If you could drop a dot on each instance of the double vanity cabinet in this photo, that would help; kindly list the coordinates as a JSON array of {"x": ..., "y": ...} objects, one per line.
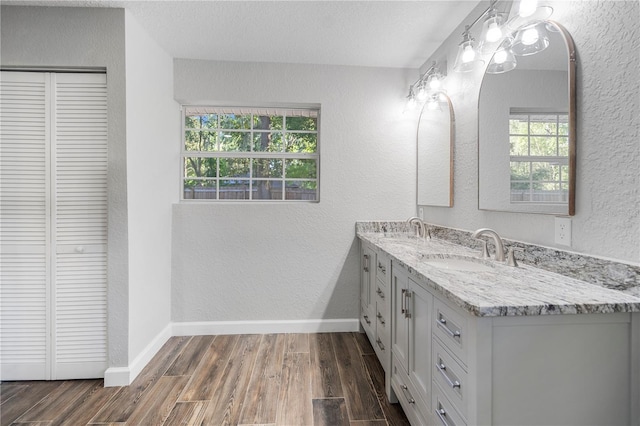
[{"x": 497, "y": 345}]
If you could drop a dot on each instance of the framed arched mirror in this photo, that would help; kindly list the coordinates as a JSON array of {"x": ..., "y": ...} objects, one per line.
[
  {"x": 435, "y": 152},
  {"x": 527, "y": 123}
]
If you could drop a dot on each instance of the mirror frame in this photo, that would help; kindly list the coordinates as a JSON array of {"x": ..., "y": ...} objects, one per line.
[
  {"x": 451, "y": 151},
  {"x": 571, "y": 71}
]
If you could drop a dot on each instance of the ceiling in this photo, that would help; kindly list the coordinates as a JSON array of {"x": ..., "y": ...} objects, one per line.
[{"x": 391, "y": 33}]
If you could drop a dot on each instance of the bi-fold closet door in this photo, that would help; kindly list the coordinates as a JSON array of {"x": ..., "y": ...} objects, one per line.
[{"x": 53, "y": 225}]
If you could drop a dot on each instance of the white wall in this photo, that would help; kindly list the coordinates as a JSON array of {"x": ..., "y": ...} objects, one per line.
[
  {"x": 78, "y": 37},
  {"x": 607, "y": 220},
  {"x": 153, "y": 134},
  {"x": 285, "y": 261}
]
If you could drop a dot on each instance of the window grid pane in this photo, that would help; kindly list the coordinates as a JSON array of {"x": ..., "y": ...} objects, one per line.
[
  {"x": 539, "y": 156},
  {"x": 250, "y": 156}
]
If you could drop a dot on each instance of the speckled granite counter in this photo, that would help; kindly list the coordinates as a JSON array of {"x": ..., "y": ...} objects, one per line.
[{"x": 502, "y": 291}]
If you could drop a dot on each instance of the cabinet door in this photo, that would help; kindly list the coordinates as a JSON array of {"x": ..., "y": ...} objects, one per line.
[
  {"x": 420, "y": 303},
  {"x": 399, "y": 323}
]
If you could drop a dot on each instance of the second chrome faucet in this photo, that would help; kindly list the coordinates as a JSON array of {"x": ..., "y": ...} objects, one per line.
[{"x": 496, "y": 239}]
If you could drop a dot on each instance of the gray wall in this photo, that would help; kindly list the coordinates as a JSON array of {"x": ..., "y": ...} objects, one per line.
[
  {"x": 284, "y": 261},
  {"x": 607, "y": 220},
  {"x": 78, "y": 37}
]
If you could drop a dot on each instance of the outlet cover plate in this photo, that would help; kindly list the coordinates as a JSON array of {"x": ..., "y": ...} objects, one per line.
[{"x": 563, "y": 231}]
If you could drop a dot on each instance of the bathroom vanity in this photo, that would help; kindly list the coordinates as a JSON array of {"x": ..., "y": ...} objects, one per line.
[{"x": 470, "y": 341}]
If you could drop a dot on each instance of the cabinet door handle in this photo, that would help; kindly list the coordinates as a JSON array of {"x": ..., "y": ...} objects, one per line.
[
  {"x": 366, "y": 318},
  {"x": 380, "y": 344},
  {"x": 407, "y": 296},
  {"x": 403, "y": 301},
  {"x": 443, "y": 370},
  {"x": 442, "y": 414},
  {"x": 380, "y": 293},
  {"x": 380, "y": 318},
  {"x": 407, "y": 394},
  {"x": 366, "y": 263},
  {"x": 442, "y": 322}
]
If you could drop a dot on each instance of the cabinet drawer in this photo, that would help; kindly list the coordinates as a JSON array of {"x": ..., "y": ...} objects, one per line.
[
  {"x": 451, "y": 377},
  {"x": 382, "y": 269},
  {"x": 451, "y": 328},
  {"x": 443, "y": 411},
  {"x": 405, "y": 393}
]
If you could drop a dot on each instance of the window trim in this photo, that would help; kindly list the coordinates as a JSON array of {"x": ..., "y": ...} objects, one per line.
[{"x": 314, "y": 111}]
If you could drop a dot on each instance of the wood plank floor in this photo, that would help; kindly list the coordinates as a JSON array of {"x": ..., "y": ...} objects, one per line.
[{"x": 329, "y": 379}]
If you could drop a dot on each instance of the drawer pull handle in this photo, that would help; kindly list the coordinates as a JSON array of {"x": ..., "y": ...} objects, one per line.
[
  {"x": 380, "y": 293},
  {"x": 380, "y": 318},
  {"x": 443, "y": 370},
  {"x": 405, "y": 389},
  {"x": 382, "y": 268},
  {"x": 442, "y": 322},
  {"x": 366, "y": 263},
  {"x": 366, "y": 318},
  {"x": 442, "y": 414},
  {"x": 380, "y": 344}
]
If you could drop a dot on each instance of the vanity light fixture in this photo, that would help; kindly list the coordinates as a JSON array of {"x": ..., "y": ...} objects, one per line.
[
  {"x": 427, "y": 84},
  {"x": 503, "y": 60},
  {"x": 493, "y": 26},
  {"x": 530, "y": 39},
  {"x": 468, "y": 54}
]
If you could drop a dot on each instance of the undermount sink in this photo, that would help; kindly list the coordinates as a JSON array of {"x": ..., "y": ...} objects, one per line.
[{"x": 459, "y": 263}]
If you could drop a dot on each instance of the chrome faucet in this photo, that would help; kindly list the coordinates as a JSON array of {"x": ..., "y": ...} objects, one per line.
[
  {"x": 422, "y": 229},
  {"x": 496, "y": 239}
]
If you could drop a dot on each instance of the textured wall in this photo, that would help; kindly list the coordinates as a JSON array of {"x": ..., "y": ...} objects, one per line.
[
  {"x": 607, "y": 220},
  {"x": 153, "y": 126},
  {"x": 272, "y": 261},
  {"x": 79, "y": 37}
]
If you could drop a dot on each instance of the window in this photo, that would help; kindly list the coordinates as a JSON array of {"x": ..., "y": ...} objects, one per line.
[
  {"x": 232, "y": 153},
  {"x": 539, "y": 157}
]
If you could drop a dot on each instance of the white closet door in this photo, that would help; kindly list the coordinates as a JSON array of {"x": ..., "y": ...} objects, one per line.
[
  {"x": 54, "y": 226},
  {"x": 80, "y": 223},
  {"x": 24, "y": 225}
]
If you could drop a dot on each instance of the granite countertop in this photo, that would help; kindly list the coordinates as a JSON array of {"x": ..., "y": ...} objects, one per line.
[{"x": 503, "y": 290}]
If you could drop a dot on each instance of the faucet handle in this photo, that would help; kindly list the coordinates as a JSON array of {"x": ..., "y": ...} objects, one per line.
[{"x": 511, "y": 258}]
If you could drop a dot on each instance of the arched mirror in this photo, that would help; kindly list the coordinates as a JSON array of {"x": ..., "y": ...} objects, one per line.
[
  {"x": 526, "y": 124},
  {"x": 435, "y": 152}
]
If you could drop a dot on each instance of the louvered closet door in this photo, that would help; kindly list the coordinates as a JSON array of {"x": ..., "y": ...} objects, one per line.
[
  {"x": 24, "y": 225},
  {"x": 80, "y": 225},
  {"x": 54, "y": 213}
]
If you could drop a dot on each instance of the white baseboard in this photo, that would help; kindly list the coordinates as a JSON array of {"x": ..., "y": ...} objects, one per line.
[
  {"x": 123, "y": 376},
  {"x": 265, "y": 327}
]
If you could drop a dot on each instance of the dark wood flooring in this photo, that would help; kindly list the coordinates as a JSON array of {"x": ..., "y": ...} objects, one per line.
[{"x": 328, "y": 379}]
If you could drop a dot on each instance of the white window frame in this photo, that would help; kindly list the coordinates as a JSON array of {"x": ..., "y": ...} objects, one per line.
[
  {"x": 555, "y": 159},
  {"x": 251, "y": 155}
]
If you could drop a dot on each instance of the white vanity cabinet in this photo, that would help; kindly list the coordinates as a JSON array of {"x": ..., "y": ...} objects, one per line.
[{"x": 452, "y": 368}]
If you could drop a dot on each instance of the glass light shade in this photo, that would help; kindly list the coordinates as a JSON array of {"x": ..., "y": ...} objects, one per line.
[
  {"x": 434, "y": 81},
  {"x": 502, "y": 61},
  {"x": 527, "y": 7},
  {"x": 530, "y": 40},
  {"x": 541, "y": 13},
  {"x": 492, "y": 28},
  {"x": 421, "y": 95},
  {"x": 467, "y": 57}
]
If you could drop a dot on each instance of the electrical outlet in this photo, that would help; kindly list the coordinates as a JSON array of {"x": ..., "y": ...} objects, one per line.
[
  {"x": 421, "y": 213},
  {"x": 563, "y": 231}
]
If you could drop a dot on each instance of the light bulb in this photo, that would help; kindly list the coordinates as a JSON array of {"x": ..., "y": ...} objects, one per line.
[
  {"x": 468, "y": 54},
  {"x": 494, "y": 33},
  {"x": 411, "y": 103},
  {"x": 500, "y": 56},
  {"x": 527, "y": 7},
  {"x": 530, "y": 36},
  {"x": 434, "y": 82}
]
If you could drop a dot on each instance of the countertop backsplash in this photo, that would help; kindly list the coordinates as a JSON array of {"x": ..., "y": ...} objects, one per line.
[{"x": 605, "y": 273}]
